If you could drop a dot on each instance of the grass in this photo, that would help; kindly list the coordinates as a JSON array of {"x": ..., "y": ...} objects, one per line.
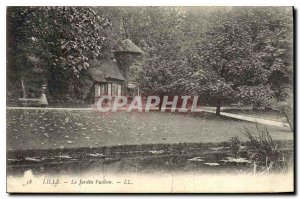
[
  {"x": 62, "y": 142},
  {"x": 264, "y": 151},
  {"x": 57, "y": 129}
]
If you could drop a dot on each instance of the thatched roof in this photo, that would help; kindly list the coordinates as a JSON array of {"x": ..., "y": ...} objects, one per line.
[
  {"x": 100, "y": 70},
  {"x": 128, "y": 46}
]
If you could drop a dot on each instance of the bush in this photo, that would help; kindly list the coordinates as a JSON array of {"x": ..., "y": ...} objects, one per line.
[
  {"x": 235, "y": 145},
  {"x": 286, "y": 108},
  {"x": 264, "y": 150}
]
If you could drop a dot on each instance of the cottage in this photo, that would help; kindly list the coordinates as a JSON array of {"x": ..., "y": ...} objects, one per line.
[{"x": 112, "y": 76}]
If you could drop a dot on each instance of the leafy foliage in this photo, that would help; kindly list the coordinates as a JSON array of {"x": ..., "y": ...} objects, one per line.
[
  {"x": 63, "y": 39},
  {"x": 236, "y": 145},
  {"x": 243, "y": 53},
  {"x": 222, "y": 54}
]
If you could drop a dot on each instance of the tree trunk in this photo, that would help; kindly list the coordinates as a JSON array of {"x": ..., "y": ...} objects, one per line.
[
  {"x": 23, "y": 88},
  {"x": 218, "y": 110},
  {"x": 160, "y": 102},
  {"x": 161, "y": 97},
  {"x": 289, "y": 118}
]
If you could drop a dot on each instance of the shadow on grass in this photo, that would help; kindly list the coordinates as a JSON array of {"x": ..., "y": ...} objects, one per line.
[{"x": 206, "y": 158}]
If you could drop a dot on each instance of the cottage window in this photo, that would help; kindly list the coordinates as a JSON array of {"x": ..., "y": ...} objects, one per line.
[
  {"x": 114, "y": 91},
  {"x": 97, "y": 90},
  {"x": 102, "y": 88},
  {"x": 109, "y": 89}
]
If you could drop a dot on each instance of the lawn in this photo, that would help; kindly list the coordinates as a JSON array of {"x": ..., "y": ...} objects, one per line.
[{"x": 59, "y": 129}]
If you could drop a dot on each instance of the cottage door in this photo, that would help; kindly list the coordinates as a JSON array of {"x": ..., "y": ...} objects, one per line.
[{"x": 119, "y": 90}]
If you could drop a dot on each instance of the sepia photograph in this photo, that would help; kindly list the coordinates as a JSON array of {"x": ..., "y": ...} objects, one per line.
[{"x": 150, "y": 99}]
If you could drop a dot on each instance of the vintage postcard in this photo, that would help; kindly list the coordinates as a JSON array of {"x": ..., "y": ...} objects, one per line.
[{"x": 150, "y": 99}]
